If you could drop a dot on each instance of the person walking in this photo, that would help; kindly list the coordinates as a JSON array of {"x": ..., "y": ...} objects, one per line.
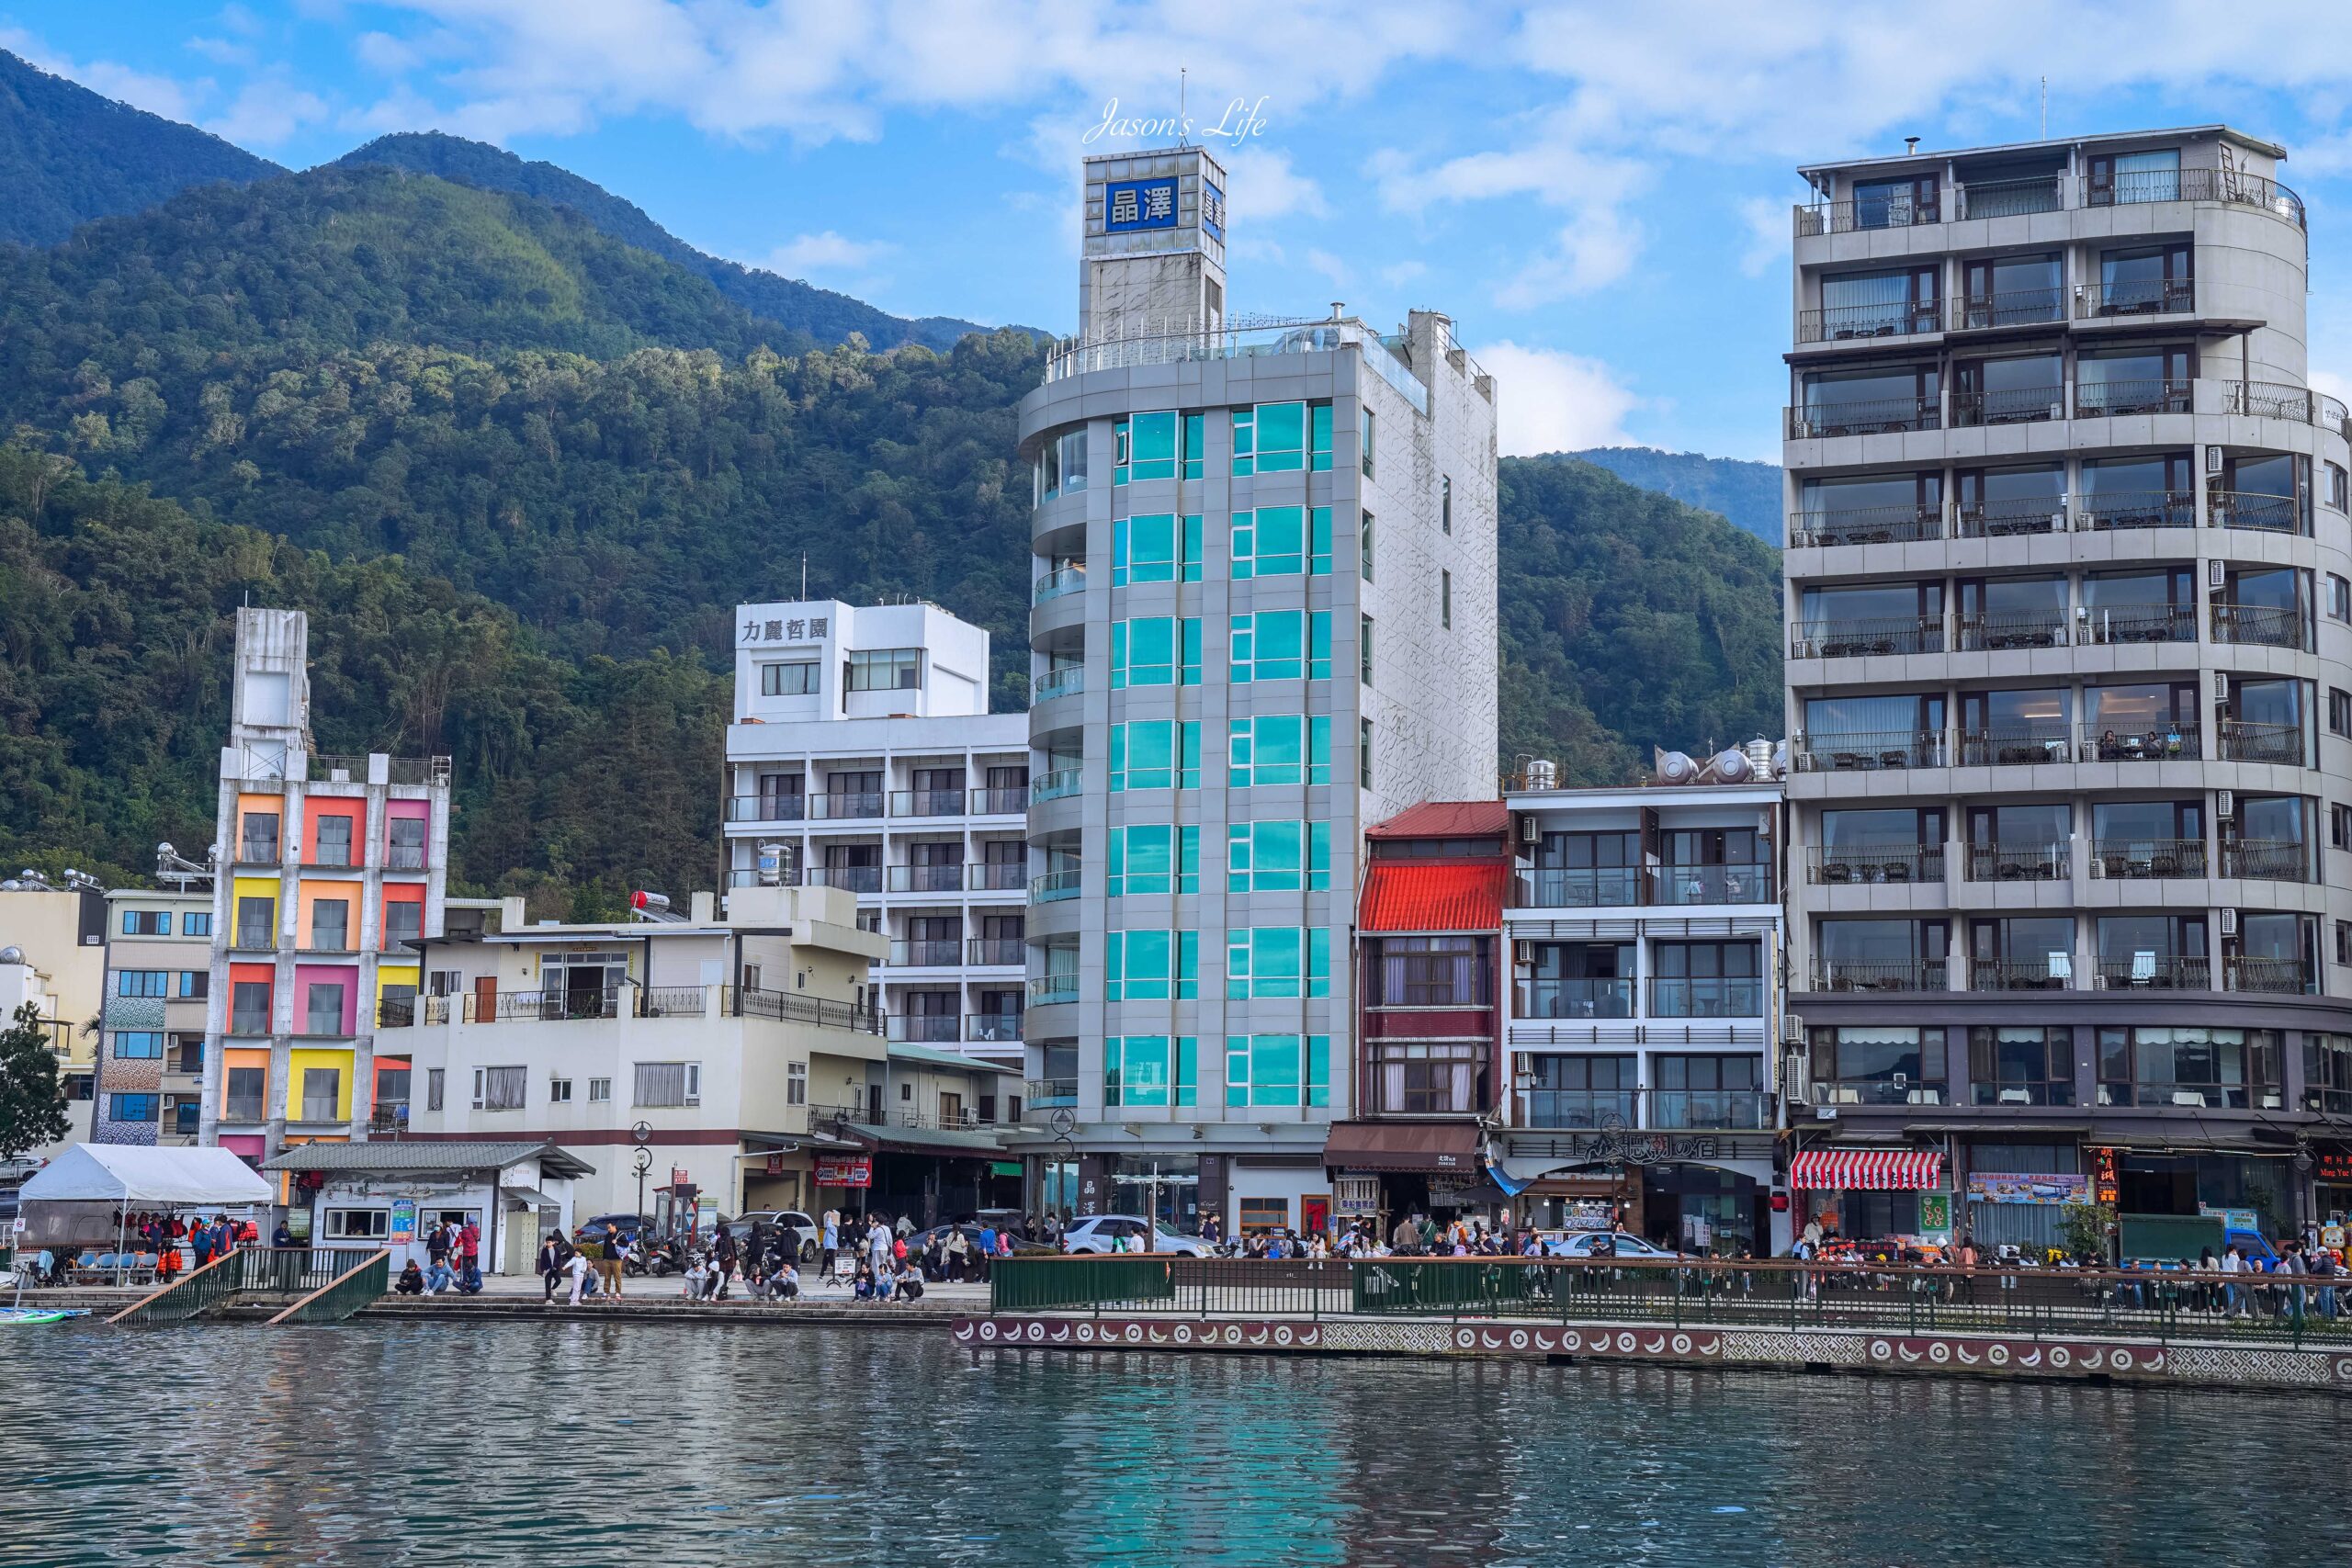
[
  {"x": 877, "y": 1246},
  {"x": 470, "y": 1246},
  {"x": 551, "y": 1265},
  {"x": 577, "y": 1267},
  {"x": 988, "y": 1250},
  {"x": 830, "y": 1243},
  {"x": 608, "y": 1267}
]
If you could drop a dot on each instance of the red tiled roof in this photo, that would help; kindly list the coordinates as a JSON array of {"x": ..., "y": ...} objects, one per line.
[
  {"x": 1434, "y": 896},
  {"x": 1444, "y": 819}
]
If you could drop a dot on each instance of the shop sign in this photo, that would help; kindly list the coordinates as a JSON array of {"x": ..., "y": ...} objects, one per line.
[
  {"x": 775, "y": 1164},
  {"x": 844, "y": 1171},
  {"x": 1935, "y": 1211},
  {"x": 1638, "y": 1149},
  {"x": 2103, "y": 1174},
  {"x": 2332, "y": 1165},
  {"x": 404, "y": 1220},
  {"x": 2235, "y": 1219},
  {"x": 1355, "y": 1197},
  {"x": 2014, "y": 1187}
]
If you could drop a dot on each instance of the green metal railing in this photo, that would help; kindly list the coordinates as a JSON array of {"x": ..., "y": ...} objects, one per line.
[
  {"x": 364, "y": 1282},
  {"x": 1035, "y": 1284},
  {"x": 278, "y": 1271},
  {"x": 189, "y": 1294}
]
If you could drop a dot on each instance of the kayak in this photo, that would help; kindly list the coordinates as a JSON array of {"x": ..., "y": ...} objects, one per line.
[{"x": 10, "y": 1316}]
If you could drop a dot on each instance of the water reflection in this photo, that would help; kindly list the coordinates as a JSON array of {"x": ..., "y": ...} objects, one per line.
[{"x": 593, "y": 1443}]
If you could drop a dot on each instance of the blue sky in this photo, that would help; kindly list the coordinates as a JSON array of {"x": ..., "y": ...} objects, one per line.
[{"x": 1597, "y": 192}]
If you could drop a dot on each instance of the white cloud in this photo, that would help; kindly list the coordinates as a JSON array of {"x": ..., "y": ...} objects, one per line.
[
  {"x": 266, "y": 113},
  {"x": 141, "y": 89},
  {"x": 1265, "y": 187},
  {"x": 222, "y": 51},
  {"x": 1766, "y": 223},
  {"x": 1334, "y": 270},
  {"x": 1402, "y": 273},
  {"x": 826, "y": 253},
  {"x": 1551, "y": 401},
  {"x": 385, "y": 54}
]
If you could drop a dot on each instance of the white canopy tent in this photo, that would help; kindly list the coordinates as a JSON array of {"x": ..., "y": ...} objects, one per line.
[{"x": 124, "y": 1176}]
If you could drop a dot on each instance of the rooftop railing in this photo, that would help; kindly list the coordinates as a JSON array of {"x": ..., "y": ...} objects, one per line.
[
  {"x": 790, "y": 1007},
  {"x": 1903, "y": 209},
  {"x": 2131, "y": 187}
]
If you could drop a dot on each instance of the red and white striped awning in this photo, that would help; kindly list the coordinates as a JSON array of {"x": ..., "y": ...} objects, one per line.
[{"x": 1865, "y": 1170}]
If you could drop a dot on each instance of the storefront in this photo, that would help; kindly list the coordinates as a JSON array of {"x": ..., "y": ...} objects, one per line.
[
  {"x": 2260, "y": 1187},
  {"x": 2332, "y": 1183},
  {"x": 1705, "y": 1209},
  {"x": 1859, "y": 1195},
  {"x": 1405, "y": 1168}
]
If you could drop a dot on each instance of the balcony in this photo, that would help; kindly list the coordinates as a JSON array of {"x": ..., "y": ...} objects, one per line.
[
  {"x": 2012, "y": 308},
  {"x": 1055, "y": 583},
  {"x": 1051, "y": 683},
  {"x": 2146, "y": 860},
  {"x": 539, "y": 1007},
  {"x": 1047, "y": 991},
  {"x": 396, "y": 1014},
  {"x": 2267, "y": 860},
  {"x": 1885, "y": 210},
  {"x": 1682, "y": 884},
  {"x": 2008, "y": 405},
  {"x": 766, "y": 808},
  {"x": 2258, "y": 626},
  {"x": 2136, "y": 509},
  {"x": 389, "y": 1116},
  {"x": 1877, "y": 864},
  {"x": 1004, "y": 801},
  {"x": 1866, "y": 750},
  {"x": 925, "y": 878},
  {"x": 1574, "y": 999},
  {"x": 2285, "y": 977},
  {"x": 2145, "y": 297},
  {"x": 987, "y": 952},
  {"x": 993, "y": 1028},
  {"x": 926, "y": 954},
  {"x": 849, "y": 878},
  {"x": 1723, "y": 996},
  {"x": 1056, "y": 786},
  {"x": 2155, "y": 972},
  {"x": 2013, "y": 519},
  {"x": 929, "y": 801},
  {"x": 1841, "y": 323},
  {"x": 1576, "y": 1109},
  {"x": 788, "y": 1007},
  {"x": 1054, "y": 886},
  {"x": 2022, "y": 973},
  {"x": 2243, "y": 509},
  {"x": 2194, "y": 184},
  {"x": 845, "y": 805},
  {"x": 996, "y": 876},
  {"x": 1896, "y": 1088},
  {"x": 1922, "y": 975},
  {"x": 2108, "y": 400},
  {"x": 2245, "y": 742},
  {"x": 1992, "y": 631},
  {"x": 2036, "y": 1092},
  {"x": 2009, "y": 199},
  {"x": 2280, "y": 400},
  {"x": 1697, "y": 1109},
  {"x": 1871, "y": 416},
  {"x": 1864, "y": 525},
  {"x": 1860, "y": 640},
  {"x": 2188, "y": 1096},
  {"x": 1577, "y": 887},
  {"x": 241, "y": 1108},
  {"x": 1048, "y": 1094},
  {"x": 404, "y": 857},
  {"x": 2032, "y": 746},
  {"x": 2128, "y": 623},
  {"x": 2018, "y": 863},
  {"x": 2170, "y": 743},
  {"x": 925, "y": 1028}
]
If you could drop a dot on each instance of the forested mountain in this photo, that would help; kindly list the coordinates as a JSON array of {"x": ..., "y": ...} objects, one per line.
[
  {"x": 1748, "y": 495},
  {"x": 68, "y": 155},
  {"x": 519, "y": 473},
  {"x": 824, "y": 315}
]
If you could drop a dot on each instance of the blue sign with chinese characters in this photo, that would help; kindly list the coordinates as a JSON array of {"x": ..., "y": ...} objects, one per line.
[
  {"x": 1139, "y": 204},
  {"x": 1212, "y": 210}
]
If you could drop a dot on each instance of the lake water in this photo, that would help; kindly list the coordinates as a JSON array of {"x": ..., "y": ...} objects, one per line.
[{"x": 596, "y": 1443}]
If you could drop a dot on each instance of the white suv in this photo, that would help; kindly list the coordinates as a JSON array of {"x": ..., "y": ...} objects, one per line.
[{"x": 1098, "y": 1234}]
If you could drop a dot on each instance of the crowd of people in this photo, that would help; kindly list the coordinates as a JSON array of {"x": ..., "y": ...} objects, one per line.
[{"x": 453, "y": 1255}]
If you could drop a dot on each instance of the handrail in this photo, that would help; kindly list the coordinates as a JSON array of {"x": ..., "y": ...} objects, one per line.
[
  {"x": 317, "y": 1308},
  {"x": 150, "y": 1308}
]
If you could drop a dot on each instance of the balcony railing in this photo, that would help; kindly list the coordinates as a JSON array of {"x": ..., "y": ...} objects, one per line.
[
  {"x": 2140, "y": 623},
  {"x": 2146, "y": 860},
  {"x": 397, "y": 770},
  {"x": 1838, "y": 324},
  {"x": 1574, "y": 999},
  {"x": 1002, "y": 801},
  {"x": 249, "y": 1025},
  {"x": 1720, "y": 995},
  {"x": 1734, "y": 1109},
  {"x": 2017, "y": 863},
  {"x": 1048, "y": 990},
  {"x": 783, "y": 876},
  {"x": 1874, "y": 416},
  {"x": 2003, "y": 629},
  {"x": 1864, "y": 525},
  {"x": 2145, "y": 297},
  {"x": 2277, "y": 399},
  {"x": 926, "y": 1028},
  {"x": 2021, "y": 974},
  {"x": 1054, "y": 886},
  {"x": 849, "y": 878},
  {"x": 996, "y": 951},
  {"x": 2284, "y": 975},
  {"x": 1862, "y": 751},
  {"x": 2012, "y": 519},
  {"x": 2047, "y": 193},
  {"x": 395, "y": 1014},
  {"x": 1047, "y": 1094},
  {"x": 2159, "y": 1096},
  {"x": 2194, "y": 184},
  {"x": 1054, "y": 583},
  {"x": 1048, "y": 684},
  {"x": 2032, "y": 746},
  {"x": 2267, "y": 860},
  {"x": 993, "y": 1028},
  {"x": 1897, "y": 1089},
  {"x": 2244, "y": 741},
  {"x": 2166, "y": 742},
  {"x": 404, "y": 857},
  {"x": 539, "y": 1006},
  {"x": 1892, "y": 210},
  {"x": 2136, "y": 509},
  {"x": 2106, "y": 399},
  {"x": 2009, "y": 199},
  {"x": 996, "y": 876},
  {"x": 2160, "y": 972},
  {"x": 1682, "y": 884},
  {"x": 1055, "y": 786},
  {"x": 2011, "y": 308},
  {"x": 1579, "y": 888},
  {"x": 1871, "y": 863},
  {"x": 2008, "y": 405},
  {"x": 2258, "y": 626},
  {"x": 1674, "y": 1110},
  {"x": 1926, "y": 975},
  {"x": 788, "y": 1007},
  {"x": 766, "y": 808},
  {"x": 928, "y": 802},
  {"x": 1857, "y": 639},
  {"x": 925, "y": 878},
  {"x": 927, "y": 954},
  {"x": 845, "y": 805},
  {"x": 1577, "y": 1108},
  {"x": 2243, "y": 509}
]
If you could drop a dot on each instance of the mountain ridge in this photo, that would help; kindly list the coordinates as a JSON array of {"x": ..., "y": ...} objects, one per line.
[{"x": 1744, "y": 495}]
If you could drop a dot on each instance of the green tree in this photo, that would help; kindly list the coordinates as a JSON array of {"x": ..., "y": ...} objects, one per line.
[{"x": 31, "y": 1111}]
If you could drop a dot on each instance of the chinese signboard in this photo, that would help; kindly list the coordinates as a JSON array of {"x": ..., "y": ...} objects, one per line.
[
  {"x": 2013, "y": 1187},
  {"x": 1129, "y": 205},
  {"x": 2103, "y": 1174},
  {"x": 1212, "y": 210},
  {"x": 1357, "y": 1195},
  {"x": 404, "y": 1220},
  {"x": 1935, "y": 1211},
  {"x": 757, "y": 630},
  {"x": 2332, "y": 1165},
  {"x": 844, "y": 1171},
  {"x": 1638, "y": 1149}
]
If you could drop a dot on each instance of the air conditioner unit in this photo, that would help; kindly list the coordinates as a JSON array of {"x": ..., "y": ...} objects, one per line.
[
  {"x": 2215, "y": 571},
  {"x": 2058, "y": 522},
  {"x": 2225, "y": 803},
  {"x": 1530, "y": 830},
  {"x": 2221, "y": 685},
  {"x": 1523, "y": 955},
  {"x": 1796, "y": 1085},
  {"x": 2057, "y": 411},
  {"x": 2212, "y": 459},
  {"x": 2229, "y": 922},
  {"x": 2098, "y": 981}
]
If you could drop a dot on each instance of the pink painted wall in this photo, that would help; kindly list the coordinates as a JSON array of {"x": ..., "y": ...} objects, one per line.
[{"x": 344, "y": 975}]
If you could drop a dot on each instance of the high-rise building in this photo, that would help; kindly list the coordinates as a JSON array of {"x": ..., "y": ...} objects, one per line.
[
  {"x": 158, "y": 989},
  {"x": 863, "y": 756},
  {"x": 1264, "y": 618},
  {"x": 327, "y": 869},
  {"x": 2069, "y": 686}
]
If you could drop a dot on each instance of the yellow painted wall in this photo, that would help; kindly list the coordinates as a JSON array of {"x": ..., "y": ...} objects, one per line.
[
  {"x": 298, "y": 1062},
  {"x": 242, "y": 1058},
  {"x": 312, "y": 890},
  {"x": 254, "y": 887},
  {"x": 394, "y": 974}
]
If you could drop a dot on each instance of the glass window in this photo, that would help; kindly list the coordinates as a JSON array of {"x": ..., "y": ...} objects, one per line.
[
  {"x": 1278, "y": 962},
  {"x": 1878, "y": 1065},
  {"x": 1150, "y": 967},
  {"x": 1153, "y": 858},
  {"x": 334, "y": 842},
  {"x": 196, "y": 923},
  {"x": 1277, "y": 1069},
  {"x": 1281, "y": 645},
  {"x": 1154, "y": 547},
  {"x": 1365, "y": 551},
  {"x": 1369, "y": 434},
  {"x": 1151, "y": 1071},
  {"x": 1144, "y": 448},
  {"x": 142, "y": 983},
  {"x": 133, "y": 1107},
  {"x": 1155, "y": 754},
  {"x": 1155, "y": 650},
  {"x": 138, "y": 1044},
  {"x": 1278, "y": 857},
  {"x": 884, "y": 670},
  {"x": 787, "y": 680},
  {"x": 1274, "y": 438},
  {"x": 1280, "y": 749},
  {"x": 1282, "y": 540},
  {"x": 2029, "y": 1064}
]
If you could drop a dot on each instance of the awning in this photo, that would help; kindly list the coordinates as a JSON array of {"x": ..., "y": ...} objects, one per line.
[
  {"x": 1865, "y": 1170},
  {"x": 149, "y": 1176},
  {"x": 1440, "y": 1147},
  {"x": 528, "y": 1198}
]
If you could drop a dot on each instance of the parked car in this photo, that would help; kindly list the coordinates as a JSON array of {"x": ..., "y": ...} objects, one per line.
[
  {"x": 1602, "y": 1244},
  {"x": 793, "y": 1220},
  {"x": 632, "y": 1227},
  {"x": 17, "y": 1171},
  {"x": 1098, "y": 1234}
]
